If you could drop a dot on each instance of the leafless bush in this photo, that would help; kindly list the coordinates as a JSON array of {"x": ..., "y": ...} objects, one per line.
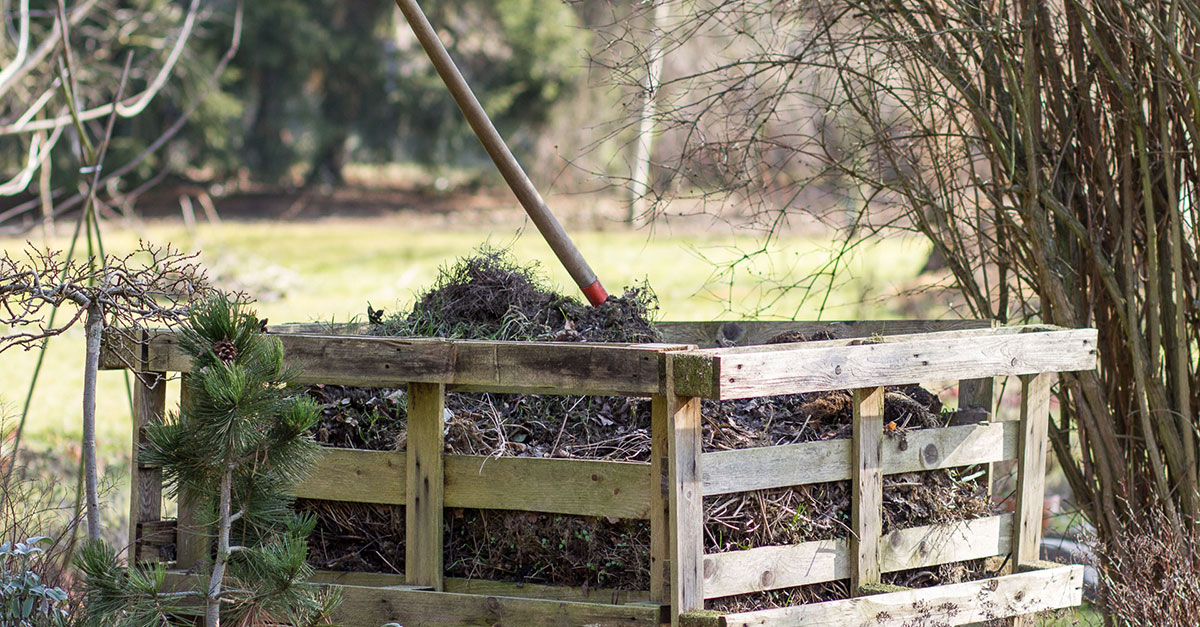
[
  {"x": 1152, "y": 574},
  {"x": 1047, "y": 150},
  {"x": 117, "y": 294}
]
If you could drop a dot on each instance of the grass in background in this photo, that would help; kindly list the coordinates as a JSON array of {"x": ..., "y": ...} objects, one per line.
[{"x": 329, "y": 271}]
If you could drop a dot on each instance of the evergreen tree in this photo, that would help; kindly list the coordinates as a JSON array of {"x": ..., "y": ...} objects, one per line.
[{"x": 240, "y": 445}]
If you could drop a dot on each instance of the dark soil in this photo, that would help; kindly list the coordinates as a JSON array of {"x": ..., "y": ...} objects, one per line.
[{"x": 489, "y": 296}]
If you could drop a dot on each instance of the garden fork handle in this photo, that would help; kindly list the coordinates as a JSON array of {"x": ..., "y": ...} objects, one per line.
[{"x": 510, "y": 169}]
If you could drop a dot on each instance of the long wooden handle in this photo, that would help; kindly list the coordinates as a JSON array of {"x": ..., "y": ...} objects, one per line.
[{"x": 512, "y": 172}]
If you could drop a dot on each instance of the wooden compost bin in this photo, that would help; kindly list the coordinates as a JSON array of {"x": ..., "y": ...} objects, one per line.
[{"x": 669, "y": 492}]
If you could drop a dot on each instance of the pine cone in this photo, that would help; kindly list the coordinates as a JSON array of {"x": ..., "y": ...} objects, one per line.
[{"x": 226, "y": 351}]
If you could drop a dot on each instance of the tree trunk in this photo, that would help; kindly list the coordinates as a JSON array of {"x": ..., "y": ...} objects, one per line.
[
  {"x": 212, "y": 612},
  {"x": 94, "y": 327},
  {"x": 640, "y": 183}
]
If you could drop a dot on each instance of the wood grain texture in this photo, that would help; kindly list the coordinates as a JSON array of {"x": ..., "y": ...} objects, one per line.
[
  {"x": 818, "y": 462},
  {"x": 370, "y": 607},
  {"x": 425, "y": 481},
  {"x": 559, "y": 486},
  {"x": 146, "y": 486},
  {"x": 774, "y": 567},
  {"x": 1031, "y": 467},
  {"x": 466, "y": 365},
  {"x": 660, "y": 492},
  {"x": 748, "y": 332},
  {"x": 820, "y": 366},
  {"x": 686, "y": 498},
  {"x": 955, "y": 604},
  {"x": 356, "y": 476},
  {"x": 491, "y": 588},
  {"x": 980, "y": 394},
  {"x": 866, "y": 485},
  {"x": 562, "y": 486}
]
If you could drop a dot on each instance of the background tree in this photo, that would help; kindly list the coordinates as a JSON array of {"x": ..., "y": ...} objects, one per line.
[
  {"x": 64, "y": 67},
  {"x": 240, "y": 442},
  {"x": 348, "y": 81},
  {"x": 1048, "y": 152}
]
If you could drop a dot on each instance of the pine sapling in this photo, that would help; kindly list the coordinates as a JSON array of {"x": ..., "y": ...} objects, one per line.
[{"x": 239, "y": 444}]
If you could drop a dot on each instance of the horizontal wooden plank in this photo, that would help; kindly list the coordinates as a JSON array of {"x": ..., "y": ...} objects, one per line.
[
  {"x": 819, "y": 366},
  {"x": 541, "y": 367},
  {"x": 356, "y": 476},
  {"x": 786, "y": 465},
  {"x": 561, "y": 486},
  {"x": 370, "y": 606},
  {"x": 492, "y": 588},
  {"x": 565, "y": 486},
  {"x": 414, "y": 606},
  {"x": 747, "y": 332},
  {"x": 774, "y": 567},
  {"x": 955, "y": 604}
]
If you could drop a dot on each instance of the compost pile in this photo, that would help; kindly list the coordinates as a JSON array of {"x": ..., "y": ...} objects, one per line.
[{"x": 488, "y": 296}]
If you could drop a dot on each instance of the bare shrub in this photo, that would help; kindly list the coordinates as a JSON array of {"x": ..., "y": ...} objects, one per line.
[{"x": 1149, "y": 573}]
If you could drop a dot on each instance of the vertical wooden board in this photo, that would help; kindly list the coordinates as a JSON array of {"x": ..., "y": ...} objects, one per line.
[
  {"x": 1031, "y": 474},
  {"x": 193, "y": 543},
  {"x": 980, "y": 394},
  {"x": 660, "y": 500},
  {"x": 145, "y": 484},
  {"x": 1031, "y": 467},
  {"x": 425, "y": 478},
  {"x": 686, "y": 500},
  {"x": 866, "y": 505}
]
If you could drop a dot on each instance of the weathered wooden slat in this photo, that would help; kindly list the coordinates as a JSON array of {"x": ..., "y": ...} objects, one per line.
[
  {"x": 866, "y": 486},
  {"x": 817, "y": 366},
  {"x": 357, "y": 476},
  {"x": 145, "y": 484},
  {"x": 492, "y": 588},
  {"x": 156, "y": 540},
  {"x": 468, "y": 365},
  {"x": 417, "y": 606},
  {"x": 980, "y": 394},
  {"x": 743, "y": 333},
  {"x": 1031, "y": 474},
  {"x": 660, "y": 493},
  {"x": 774, "y": 567},
  {"x": 818, "y": 462},
  {"x": 562, "y": 486},
  {"x": 368, "y": 606},
  {"x": 424, "y": 487},
  {"x": 685, "y": 495},
  {"x": 955, "y": 604}
]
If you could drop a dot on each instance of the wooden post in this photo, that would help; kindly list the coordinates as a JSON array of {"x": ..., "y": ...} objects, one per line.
[
  {"x": 685, "y": 497},
  {"x": 660, "y": 499},
  {"x": 1031, "y": 473},
  {"x": 866, "y": 503},
  {"x": 145, "y": 484},
  {"x": 425, "y": 479},
  {"x": 193, "y": 543},
  {"x": 980, "y": 394}
]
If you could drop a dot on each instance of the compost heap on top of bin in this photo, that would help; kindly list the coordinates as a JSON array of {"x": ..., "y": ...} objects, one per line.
[{"x": 488, "y": 296}]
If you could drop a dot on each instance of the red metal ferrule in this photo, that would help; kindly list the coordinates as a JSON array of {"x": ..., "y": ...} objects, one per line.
[{"x": 595, "y": 293}]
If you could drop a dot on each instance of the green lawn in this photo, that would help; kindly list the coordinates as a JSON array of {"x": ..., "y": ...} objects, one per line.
[{"x": 330, "y": 270}]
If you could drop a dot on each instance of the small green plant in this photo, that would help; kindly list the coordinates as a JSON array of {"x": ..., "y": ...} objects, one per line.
[
  {"x": 238, "y": 447},
  {"x": 24, "y": 598}
]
